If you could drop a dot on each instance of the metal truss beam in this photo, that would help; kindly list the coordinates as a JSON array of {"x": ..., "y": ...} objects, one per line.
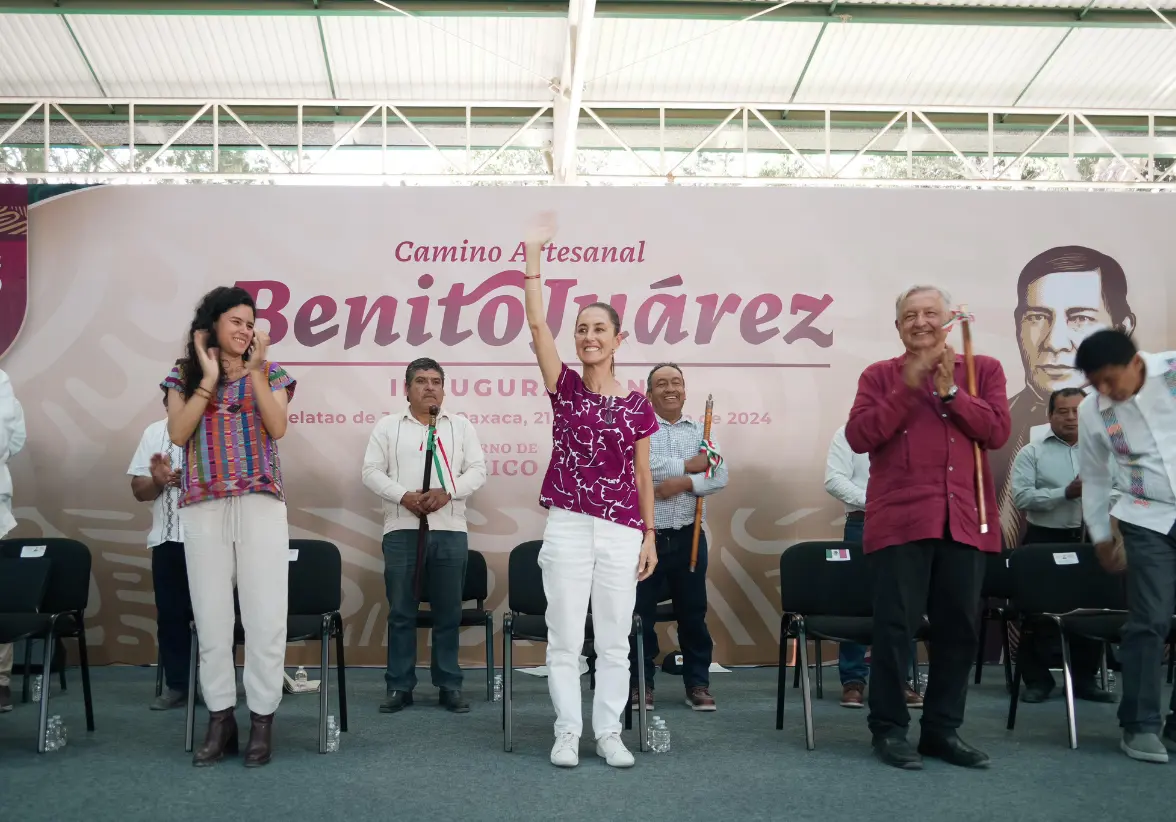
[
  {"x": 570, "y": 95},
  {"x": 807, "y": 12},
  {"x": 987, "y": 143}
]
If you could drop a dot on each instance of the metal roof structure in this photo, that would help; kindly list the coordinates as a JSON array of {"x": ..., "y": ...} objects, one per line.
[{"x": 748, "y": 91}]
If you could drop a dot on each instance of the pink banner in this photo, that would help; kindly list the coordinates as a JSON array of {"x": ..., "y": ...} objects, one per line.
[{"x": 14, "y": 270}]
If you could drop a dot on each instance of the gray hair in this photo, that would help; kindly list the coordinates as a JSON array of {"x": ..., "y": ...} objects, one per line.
[{"x": 918, "y": 289}]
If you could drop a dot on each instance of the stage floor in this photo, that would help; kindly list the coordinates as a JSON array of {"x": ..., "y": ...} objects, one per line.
[{"x": 428, "y": 764}]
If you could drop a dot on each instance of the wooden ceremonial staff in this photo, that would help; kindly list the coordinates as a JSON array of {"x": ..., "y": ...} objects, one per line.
[
  {"x": 706, "y": 428},
  {"x": 970, "y": 365},
  {"x": 423, "y": 528}
]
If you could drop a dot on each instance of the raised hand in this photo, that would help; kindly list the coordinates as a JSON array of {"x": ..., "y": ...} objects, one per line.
[
  {"x": 257, "y": 350},
  {"x": 209, "y": 358},
  {"x": 542, "y": 230}
]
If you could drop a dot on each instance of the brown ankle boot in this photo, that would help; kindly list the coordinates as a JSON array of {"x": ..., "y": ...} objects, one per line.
[
  {"x": 260, "y": 747},
  {"x": 221, "y": 738}
]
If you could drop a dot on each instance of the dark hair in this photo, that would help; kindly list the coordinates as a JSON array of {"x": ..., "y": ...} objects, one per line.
[
  {"x": 613, "y": 316},
  {"x": 1103, "y": 348},
  {"x": 1078, "y": 258},
  {"x": 1062, "y": 393},
  {"x": 422, "y": 364},
  {"x": 212, "y": 305},
  {"x": 659, "y": 367}
]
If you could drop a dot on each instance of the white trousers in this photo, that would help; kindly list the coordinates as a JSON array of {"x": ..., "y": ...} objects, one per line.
[
  {"x": 247, "y": 539},
  {"x": 5, "y": 663},
  {"x": 588, "y": 558}
]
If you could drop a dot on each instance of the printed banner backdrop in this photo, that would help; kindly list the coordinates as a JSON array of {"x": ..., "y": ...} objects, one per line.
[
  {"x": 14, "y": 273},
  {"x": 773, "y": 300}
]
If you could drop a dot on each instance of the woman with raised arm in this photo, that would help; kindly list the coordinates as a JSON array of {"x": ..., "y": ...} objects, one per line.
[
  {"x": 226, "y": 407},
  {"x": 599, "y": 539}
]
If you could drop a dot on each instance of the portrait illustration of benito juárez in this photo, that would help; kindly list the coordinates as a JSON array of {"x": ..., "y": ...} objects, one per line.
[{"x": 1064, "y": 295}]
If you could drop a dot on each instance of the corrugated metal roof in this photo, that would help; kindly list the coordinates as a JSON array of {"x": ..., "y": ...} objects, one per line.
[
  {"x": 1112, "y": 68},
  {"x": 38, "y": 57},
  {"x": 395, "y": 57},
  {"x": 637, "y": 60},
  {"x": 197, "y": 56},
  {"x": 926, "y": 65}
]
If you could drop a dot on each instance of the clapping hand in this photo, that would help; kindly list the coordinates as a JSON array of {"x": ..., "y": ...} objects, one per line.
[
  {"x": 161, "y": 469},
  {"x": 945, "y": 371},
  {"x": 209, "y": 358},
  {"x": 257, "y": 350}
]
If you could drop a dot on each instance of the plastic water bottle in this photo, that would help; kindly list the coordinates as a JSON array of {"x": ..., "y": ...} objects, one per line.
[
  {"x": 37, "y": 688},
  {"x": 653, "y": 722},
  {"x": 300, "y": 675},
  {"x": 332, "y": 735},
  {"x": 660, "y": 742},
  {"x": 54, "y": 734},
  {"x": 497, "y": 690}
]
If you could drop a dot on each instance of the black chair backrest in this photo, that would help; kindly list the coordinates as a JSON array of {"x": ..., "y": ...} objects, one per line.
[
  {"x": 826, "y": 579},
  {"x": 998, "y": 579},
  {"x": 69, "y": 573},
  {"x": 316, "y": 577},
  {"x": 477, "y": 579},
  {"x": 22, "y": 584},
  {"x": 1055, "y": 579},
  {"x": 525, "y": 580}
]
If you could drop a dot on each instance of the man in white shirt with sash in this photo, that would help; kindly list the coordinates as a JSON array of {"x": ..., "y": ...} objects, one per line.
[
  {"x": 1132, "y": 417},
  {"x": 393, "y": 468}
]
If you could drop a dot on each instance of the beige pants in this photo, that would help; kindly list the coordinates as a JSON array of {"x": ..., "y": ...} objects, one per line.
[
  {"x": 5, "y": 663},
  {"x": 245, "y": 538}
]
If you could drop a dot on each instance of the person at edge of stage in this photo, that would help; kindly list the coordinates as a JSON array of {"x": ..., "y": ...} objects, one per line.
[
  {"x": 599, "y": 538},
  {"x": 1131, "y": 417},
  {"x": 226, "y": 407},
  {"x": 923, "y": 532}
]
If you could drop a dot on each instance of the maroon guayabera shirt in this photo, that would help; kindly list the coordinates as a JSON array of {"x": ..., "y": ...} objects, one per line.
[{"x": 922, "y": 471}]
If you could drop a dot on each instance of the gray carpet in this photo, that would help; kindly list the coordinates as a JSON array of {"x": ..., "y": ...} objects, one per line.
[{"x": 428, "y": 764}]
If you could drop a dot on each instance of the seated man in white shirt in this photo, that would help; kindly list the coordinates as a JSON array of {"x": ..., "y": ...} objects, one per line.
[
  {"x": 1048, "y": 489},
  {"x": 12, "y": 439},
  {"x": 155, "y": 478},
  {"x": 1132, "y": 417},
  {"x": 846, "y": 477},
  {"x": 393, "y": 469}
]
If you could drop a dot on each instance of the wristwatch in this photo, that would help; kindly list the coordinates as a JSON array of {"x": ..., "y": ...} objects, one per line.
[{"x": 950, "y": 395}]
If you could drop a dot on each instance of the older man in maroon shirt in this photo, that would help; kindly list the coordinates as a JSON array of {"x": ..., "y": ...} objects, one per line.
[{"x": 922, "y": 525}]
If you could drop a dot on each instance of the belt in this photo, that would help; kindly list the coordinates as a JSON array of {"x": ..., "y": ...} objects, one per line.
[{"x": 855, "y": 516}]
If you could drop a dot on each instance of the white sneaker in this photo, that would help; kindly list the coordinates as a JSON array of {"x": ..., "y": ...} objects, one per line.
[
  {"x": 613, "y": 751},
  {"x": 566, "y": 751}
]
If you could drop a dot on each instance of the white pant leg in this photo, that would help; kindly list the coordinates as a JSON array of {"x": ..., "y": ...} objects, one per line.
[
  {"x": 263, "y": 568},
  {"x": 208, "y": 553},
  {"x": 616, "y": 549},
  {"x": 566, "y": 562},
  {"x": 5, "y": 663}
]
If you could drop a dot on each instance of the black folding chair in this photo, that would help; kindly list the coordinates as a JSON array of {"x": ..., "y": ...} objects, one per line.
[
  {"x": 477, "y": 590},
  {"x": 315, "y": 594},
  {"x": 995, "y": 594},
  {"x": 525, "y": 620},
  {"x": 61, "y": 614},
  {"x": 823, "y": 597},
  {"x": 1063, "y": 588}
]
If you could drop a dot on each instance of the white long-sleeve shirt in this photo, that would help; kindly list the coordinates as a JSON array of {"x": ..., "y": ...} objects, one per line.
[
  {"x": 669, "y": 447},
  {"x": 847, "y": 474},
  {"x": 394, "y": 464},
  {"x": 12, "y": 439},
  {"x": 1140, "y": 434}
]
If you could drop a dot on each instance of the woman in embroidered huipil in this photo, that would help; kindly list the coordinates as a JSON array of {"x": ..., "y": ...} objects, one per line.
[
  {"x": 599, "y": 539},
  {"x": 226, "y": 408}
]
